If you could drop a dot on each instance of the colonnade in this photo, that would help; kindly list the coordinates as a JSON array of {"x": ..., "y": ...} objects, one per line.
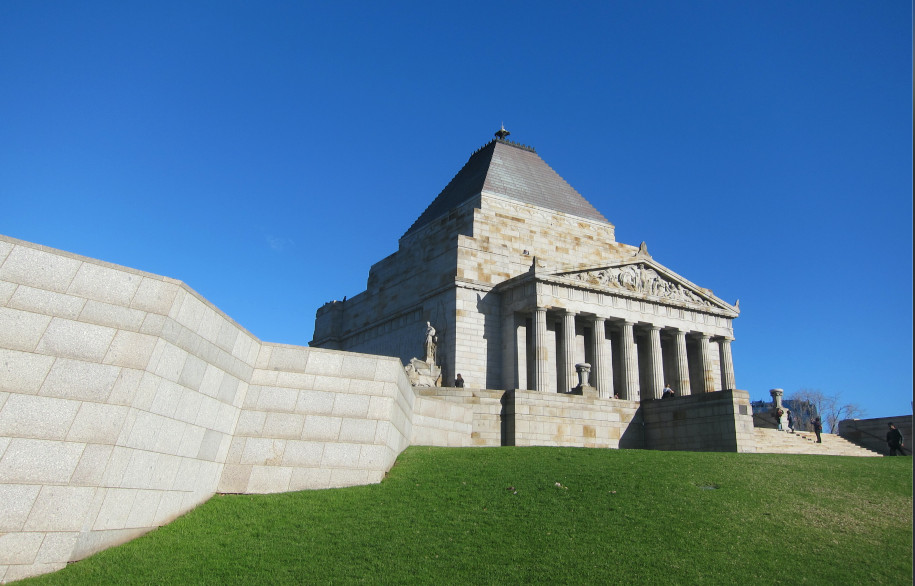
[{"x": 627, "y": 384}]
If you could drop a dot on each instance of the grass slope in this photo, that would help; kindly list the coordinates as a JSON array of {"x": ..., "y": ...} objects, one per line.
[{"x": 534, "y": 515}]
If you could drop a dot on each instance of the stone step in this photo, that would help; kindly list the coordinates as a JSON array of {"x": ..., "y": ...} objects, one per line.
[{"x": 771, "y": 441}]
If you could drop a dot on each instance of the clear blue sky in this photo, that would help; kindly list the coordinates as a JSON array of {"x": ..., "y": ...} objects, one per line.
[{"x": 267, "y": 153}]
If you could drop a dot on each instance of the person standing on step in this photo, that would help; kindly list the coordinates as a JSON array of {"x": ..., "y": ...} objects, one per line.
[
  {"x": 894, "y": 440},
  {"x": 790, "y": 420},
  {"x": 459, "y": 381},
  {"x": 818, "y": 429},
  {"x": 778, "y": 418}
]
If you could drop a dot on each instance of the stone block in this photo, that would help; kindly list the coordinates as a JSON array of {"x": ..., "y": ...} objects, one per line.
[
  {"x": 110, "y": 285},
  {"x": 287, "y": 358},
  {"x": 39, "y": 269},
  {"x": 277, "y": 399},
  {"x": 46, "y": 302},
  {"x": 167, "y": 361},
  {"x": 21, "y": 330},
  {"x": 209, "y": 411},
  {"x": 78, "y": 380},
  {"x": 19, "y": 548},
  {"x": 309, "y": 479},
  {"x": 350, "y": 405},
  {"x": 191, "y": 440},
  {"x": 186, "y": 478},
  {"x": 294, "y": 380},
  {"x": 139, "y": 470},
  {"x": 115, "y": 509},
  {"x": 37, "y": 417},
  {"x": 97, "y": 423},
  {"x": 263, "y": 451},
  {"x": 331, "y": 384},
  {"x": 303, "y": 454},
  {"x": 283, "y": 425},
  {"x": 91, "y": 467},
  {"x": 17, "y": 502},
  {"x": 78, "y": 340},
  {"x": 315, "y": 402},
  {"x": 340, "y": 455},
  {"x": 164, "y": 472},
  {"x": 192, "y": 373},
  {"x": 56, "y": 547},
  {"x": 166, "y": 399},
  {"x": 359, "y": 367},
  {"x": 250, "y": 423},
  {"x": 357, "y": 430},
  {"x": 130, "y": 350},
  {"x": 327, "y": 363},
  {"x": 340, "y": 477},
  {"x": 60, "y": 508},
  {"x": 234, "y": 478},
  {"x": 269, "y": 479},
  {"x": 125, "y": 387},
  {"x": 35, "y": 461},
  {"x": 321, "y": 428},
  {"x": 117, "y": 464},
  {"x": 143, "y": 512},
  {"x": 189, "y": 405},
  {"x": 154, "y": 295}
]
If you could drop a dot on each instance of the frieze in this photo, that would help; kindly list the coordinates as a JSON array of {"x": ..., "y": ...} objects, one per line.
[{"x": 640, "y": 279}]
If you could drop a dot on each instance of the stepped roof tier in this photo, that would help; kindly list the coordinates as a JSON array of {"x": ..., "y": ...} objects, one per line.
[{"x": 514, "y": 171}]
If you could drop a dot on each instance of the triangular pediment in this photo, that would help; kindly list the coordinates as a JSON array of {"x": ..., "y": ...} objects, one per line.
[{"x": 643, "y": 277}]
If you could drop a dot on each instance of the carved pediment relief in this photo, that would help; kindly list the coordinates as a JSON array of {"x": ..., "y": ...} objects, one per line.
[{"x": 645, "y": 278}]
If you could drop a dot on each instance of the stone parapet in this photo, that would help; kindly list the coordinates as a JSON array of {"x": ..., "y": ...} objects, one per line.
[
  {"x": 709, "y": 422},
  {"x": 871, "y": 433}
]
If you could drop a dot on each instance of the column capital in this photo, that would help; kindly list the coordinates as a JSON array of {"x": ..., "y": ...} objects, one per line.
[
  {"x": 567, "y": 311},
  {"x": 654, "y": 328}
]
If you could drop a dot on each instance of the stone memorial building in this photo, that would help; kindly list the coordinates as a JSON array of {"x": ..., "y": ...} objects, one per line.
[{"x": 522, "y": 279}]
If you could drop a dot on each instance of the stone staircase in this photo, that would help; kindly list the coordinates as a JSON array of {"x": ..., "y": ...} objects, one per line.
[{"x": 771, "y": 441}]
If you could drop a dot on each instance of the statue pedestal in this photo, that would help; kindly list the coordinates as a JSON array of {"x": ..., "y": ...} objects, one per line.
[{"x": 422, "y": 374}]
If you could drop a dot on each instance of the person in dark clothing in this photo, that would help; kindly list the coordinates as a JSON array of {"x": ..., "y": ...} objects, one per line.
[
  {"x": 790, "y": 421},
  {"x": 459, "y": 381},
  {"x": 818, "y": 429},
  {"x": 894, "y": 440}
]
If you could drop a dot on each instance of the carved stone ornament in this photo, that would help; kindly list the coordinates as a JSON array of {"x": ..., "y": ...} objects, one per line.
[{"x": 642, "y": 279}]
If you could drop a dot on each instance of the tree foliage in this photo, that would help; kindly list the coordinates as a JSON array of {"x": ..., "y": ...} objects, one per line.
[{"x": 831, "y": 408}]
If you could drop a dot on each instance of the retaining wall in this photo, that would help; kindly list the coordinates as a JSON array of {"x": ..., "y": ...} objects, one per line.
[
  {"x": 871, "y": 433},
  {"x": 126, "y": 399}
]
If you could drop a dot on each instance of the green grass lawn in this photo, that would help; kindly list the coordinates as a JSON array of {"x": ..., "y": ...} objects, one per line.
[{"x": 538, "y": 515}]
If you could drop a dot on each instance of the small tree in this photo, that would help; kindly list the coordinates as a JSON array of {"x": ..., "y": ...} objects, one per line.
[{"x": 830, "y": 407}]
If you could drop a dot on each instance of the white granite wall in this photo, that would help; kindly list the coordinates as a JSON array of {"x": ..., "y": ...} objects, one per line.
[
  {"x": 316, "y": 418},
  {"x": 120, "y": 392}
]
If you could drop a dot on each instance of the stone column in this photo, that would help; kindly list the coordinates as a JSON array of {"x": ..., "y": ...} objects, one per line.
[
  {"x": 777, "y": 397},
  {"x": 603, "y": 365},
  {"x": 705, "y": 360},
  {"x": 568, "y": 351},
  {"x": 657, "y": 363},
  {"x": 727, "y": 364},
  {"x": 540, "y": 350},
  {"x": 630, "y": 364},
  {"x": 682, "y": 365},
  {"x": 510, "y": 352}
]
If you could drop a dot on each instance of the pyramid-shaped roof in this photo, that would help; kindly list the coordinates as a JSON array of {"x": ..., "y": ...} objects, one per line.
[{"x": 513, "y": 171}]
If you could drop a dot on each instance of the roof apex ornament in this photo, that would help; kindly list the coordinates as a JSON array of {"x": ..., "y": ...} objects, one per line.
[
  {"x": 502, "y": 133},
  {"x": 643, "y": 250}
]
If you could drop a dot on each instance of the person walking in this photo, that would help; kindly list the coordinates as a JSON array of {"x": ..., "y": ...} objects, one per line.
[
  {"x": 818, "y": 429},
  {"x": 894, "y": 440}
]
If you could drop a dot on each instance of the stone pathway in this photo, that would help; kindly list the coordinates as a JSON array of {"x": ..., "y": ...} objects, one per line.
[{"x": 771, "y": 441}]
